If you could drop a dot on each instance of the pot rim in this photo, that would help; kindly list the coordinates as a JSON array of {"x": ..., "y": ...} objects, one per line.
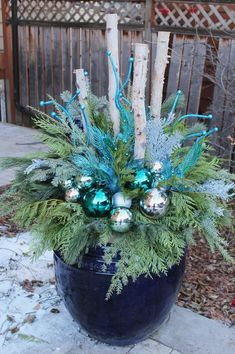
[{"x": 80, "y": 269}]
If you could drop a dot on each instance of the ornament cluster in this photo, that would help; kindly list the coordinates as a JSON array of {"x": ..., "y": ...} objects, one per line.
[{"x": 100, "y": 202}]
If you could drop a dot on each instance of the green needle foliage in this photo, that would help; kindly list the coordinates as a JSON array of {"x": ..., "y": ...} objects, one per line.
[{"x": 152, "y": 246}]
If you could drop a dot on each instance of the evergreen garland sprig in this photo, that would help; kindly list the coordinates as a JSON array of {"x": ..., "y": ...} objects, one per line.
[{"x": 198, "y": 189}]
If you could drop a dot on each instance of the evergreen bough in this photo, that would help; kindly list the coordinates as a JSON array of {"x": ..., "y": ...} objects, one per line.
[{"x": 199, "y": 189}]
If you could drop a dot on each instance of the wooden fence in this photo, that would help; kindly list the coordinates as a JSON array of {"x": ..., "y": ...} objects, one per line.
[{"x": 51, "y": 38}]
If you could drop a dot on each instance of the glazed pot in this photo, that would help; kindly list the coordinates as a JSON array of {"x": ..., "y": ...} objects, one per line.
[{"x": 124, "y": 319}]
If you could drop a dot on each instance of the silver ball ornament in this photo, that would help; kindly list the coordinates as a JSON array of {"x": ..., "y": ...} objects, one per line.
[
  {"x": 120, "y": 200},
  {"x": 84, "y": 182},
  {"x": 72, "y": 195},
  {"x": 120, "y": 219},
  {"x": 154, "y": 203},
  {"x": 68, "y": 183},
  {"x": 156, "y": 168}
]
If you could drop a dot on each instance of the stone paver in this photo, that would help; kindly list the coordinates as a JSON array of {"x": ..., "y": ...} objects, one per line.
[
  {"x": 191, "y": 333},
  {"x": 88, "y": 347},
  {"x": 150, "y": 346},
  {"x": 16, "y": 141}
]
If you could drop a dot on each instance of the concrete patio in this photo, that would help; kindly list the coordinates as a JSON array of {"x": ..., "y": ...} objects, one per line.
[{"x": 33, "y": 318}]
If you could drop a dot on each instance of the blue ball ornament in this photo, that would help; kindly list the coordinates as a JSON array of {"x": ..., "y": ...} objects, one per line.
[
  {"x": 97, "y": 202},
  {"x": 143, "y": 180}
]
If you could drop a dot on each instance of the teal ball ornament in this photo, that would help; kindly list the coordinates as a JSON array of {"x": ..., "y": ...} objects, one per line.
[
  {"x": 84, "y": 182},
  {"x": 68, "y": 183},
  {"x": 120, "y": 219},
  {"x": 97, "y": 202},
  {"x": 142, "y": 180},
  {"x": 72, "y": 195},
  {"x": 154, "y": 203}
]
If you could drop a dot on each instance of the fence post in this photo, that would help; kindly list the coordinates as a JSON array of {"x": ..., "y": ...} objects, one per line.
[
  {"x": 7, "y": 35},
  {"x": 148, "y": 39}
]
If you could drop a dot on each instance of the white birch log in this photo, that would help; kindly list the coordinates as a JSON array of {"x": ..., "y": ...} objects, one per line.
[
  {"x": 81, "y": 84},
  {"x": 138, "y": 98},
  {"x": 112, "y": 47},
  {"x": 158, "y": 77}
]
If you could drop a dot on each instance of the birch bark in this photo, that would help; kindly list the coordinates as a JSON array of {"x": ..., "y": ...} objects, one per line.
[
  {"x": 81, "y": 83},
  {"x": 112, "y": 47},
  {"x": 138, "y": 98},
  {"x": 158, "y": 77}
]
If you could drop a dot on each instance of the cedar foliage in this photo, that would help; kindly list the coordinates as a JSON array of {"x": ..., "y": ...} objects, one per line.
[{"x": 151, "y": 246}]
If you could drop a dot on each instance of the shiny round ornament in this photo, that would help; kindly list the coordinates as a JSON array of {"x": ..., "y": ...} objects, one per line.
[
  {"x": 155, "y": 203},
  {"x": 156, "y": 168},
  {"x": 72, "y": 195},
  {"x": 120, "y": 200},
  {"x": 143, "y": 180},
  {"x": 97, "y": 202},
  {"x": 120, "y": 220},
  {"x": 68, "y": 183},
  {"x": 84, "y": 182}
]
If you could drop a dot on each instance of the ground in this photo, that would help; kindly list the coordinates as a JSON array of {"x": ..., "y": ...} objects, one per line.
[{"x": 209, "y": 282}]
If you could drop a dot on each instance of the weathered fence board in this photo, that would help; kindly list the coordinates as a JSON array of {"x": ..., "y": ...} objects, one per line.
[
  {"x": 85, "y": 49},
  {"x": 23, "y": 74},
  {"x": 219, "y": 96},
  {"x": 197, "y": 74},
  {"x": 32, "y": 63},
  {"x": 40, "y": 65},
  {"x": 103, "y": 66},
  {"x": 223, "y": 100},
  {"x": 66, "y": 62},
  {"x": 48, "y": 63},
  {"x": 75, "y": 50},
  {"x": 186, "y": 67},
  {"x": 57, "y": 58},
  {"x": 94, "y": 60},
  {"x": 175, "y": 64}
]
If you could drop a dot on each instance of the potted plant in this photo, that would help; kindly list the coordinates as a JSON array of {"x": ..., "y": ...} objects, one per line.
[{"x": 119, "y": 210}]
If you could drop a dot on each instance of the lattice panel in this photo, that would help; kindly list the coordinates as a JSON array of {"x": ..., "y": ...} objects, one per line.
[
  {"x": 209, "y": 17},
  {"x": 8, "y": 13},
  {"x": 81, "y": 12}
]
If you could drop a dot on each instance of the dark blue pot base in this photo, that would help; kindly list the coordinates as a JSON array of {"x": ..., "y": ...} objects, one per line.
[{"x": 141, "y": 308}]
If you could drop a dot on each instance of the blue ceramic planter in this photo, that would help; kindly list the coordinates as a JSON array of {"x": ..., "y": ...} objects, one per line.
[{"x": 125, "y": 319}]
